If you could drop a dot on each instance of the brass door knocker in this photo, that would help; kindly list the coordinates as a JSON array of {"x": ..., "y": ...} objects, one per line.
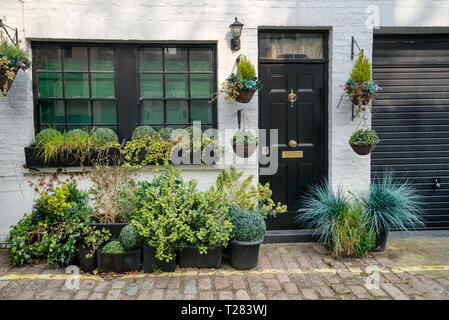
[{"x": 292, "y": 98}]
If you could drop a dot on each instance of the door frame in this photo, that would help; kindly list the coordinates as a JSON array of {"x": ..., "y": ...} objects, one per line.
[{"x": 324, "y": 61}]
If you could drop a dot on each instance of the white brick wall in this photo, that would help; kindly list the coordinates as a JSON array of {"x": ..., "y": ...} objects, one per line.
[{"x": 198, "y": 20}]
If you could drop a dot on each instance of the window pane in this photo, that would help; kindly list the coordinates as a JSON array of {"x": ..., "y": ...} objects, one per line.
[
  {"x": 292, "y": 45},
  {"x": 150, "y": 59},
  {"x": 50, "y": 84},
  {"x": 48, "y": 58},
  {"x": 82, "y": 127},
  {"x": 201, "y": 110},
  {"x": 152, "y": 112},
  {"x": 101, "y": 59},
  {"x": 76, "y": 85},
  {"x": 177, "y": 112},
  {"x": 75, "y": 59},
  {"x": 105, "y": 112},
  {"x": 52, "y": 112},
  {"x": 151, "y": 86},
  {"x": 176, "y": 85},
  {"x": 78, "y": 112},
  {"x": 201, "y": 85},
  {"x": 102, "y": 85},
  {"x": 175, "y": 59},
  {"x": 201, "y": 60}
]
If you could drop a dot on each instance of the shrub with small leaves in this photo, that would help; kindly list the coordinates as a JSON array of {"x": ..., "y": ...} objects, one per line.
[
  {"x": 77, "y": 134},
  {"x": 46, "y": 135},
  {"x": 248, "y": 226},
  {"x": 364, "y": 137},
  {"x": 113, "y": 247},
  {"x": 244, "y": 137},
  {"x": 129, "y": 238},
  {"x": 165, "y": 133},
  {"x": 105, "y": 136},
  {"x": 143, "y": 132}
]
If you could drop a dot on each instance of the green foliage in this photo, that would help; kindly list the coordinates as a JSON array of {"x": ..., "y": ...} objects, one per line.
[
  {"x": 77, "y": 134},
  {"x": 17, "y": 57},
  {"x": 143, "y": 132},
  {"x": 165, "y": 133},
  {"x": 59, "y": 219},
  {"x": 130, "y": 238},
  {"x": 246, "y": 195},
  {"x": 46, "y": 135},
  {"x": 248, "y": 226},
  {"x": 244, "y": 137},
  {"x": 245, "y": 69},
  {"x": 361, "y": 71},
  {"x": 144, "y": 151},
  {"x": 105, "y": 137},
  {"x": 393, "y": 203},
  {"x": 364, "y": 137},
  {"x": 114, "y": 247}
]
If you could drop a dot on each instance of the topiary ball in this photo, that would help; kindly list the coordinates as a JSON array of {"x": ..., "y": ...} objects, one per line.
[
  {"x": 248, "y": 226},
  {"x": 46, "y": 135},
  {"x": 77, "y": 134},
  {"x": 165, "y": 133},
  {"x": 113, "y": 247},
  {"x": 105, "y": 136},
  {"x": 129, "y": 238},
  {"x": 143, "y": 132}
]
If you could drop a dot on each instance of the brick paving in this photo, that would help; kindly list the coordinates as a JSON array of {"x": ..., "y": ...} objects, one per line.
[{"x": 300, "y": 271}]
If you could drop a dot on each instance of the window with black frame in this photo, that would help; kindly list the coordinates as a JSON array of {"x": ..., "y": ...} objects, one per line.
[{"x": 75, "y": 86}]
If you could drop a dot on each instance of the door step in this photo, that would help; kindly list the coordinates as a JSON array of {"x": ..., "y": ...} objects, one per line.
[{"x": 284, "y": 236}]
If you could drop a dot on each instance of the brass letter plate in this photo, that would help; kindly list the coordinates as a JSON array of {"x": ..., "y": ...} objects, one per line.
[{"x": 292, "y": 154}]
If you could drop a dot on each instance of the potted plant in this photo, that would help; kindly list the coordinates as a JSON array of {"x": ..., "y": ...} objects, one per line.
[
  {"x": 12, "y": 60},
  {"x": 241, "y": 87},
  {"x": 363, "y": 141},
  {"x": 392, "y": 204},
  {"x": 208, "y": 231},
  {"x": 121, "y": 255},
  {"x": 244, "y": 143},
  {"x": 89, "y": 242},
  {"x": 247, "y": 235}
]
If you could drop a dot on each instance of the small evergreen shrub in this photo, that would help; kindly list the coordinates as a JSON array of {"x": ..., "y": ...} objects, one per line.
[
  {"x": 113, "y": 247},
  {"x": 165, "y": 133},
  {"x": 129, "y": 238},
  {"x": 105, "y": 136},
  {"x": 248, "y": 226},
  {"x": 361, "y": 71},
  {"x": 143, "y": 132},
  {"x": 77, "y": 134},
  {"x": 245, "y": 69},
  {"x": 46, "y": 135}
]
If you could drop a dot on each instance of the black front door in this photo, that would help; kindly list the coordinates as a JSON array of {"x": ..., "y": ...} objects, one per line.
[{"x": 301, "y": 132}]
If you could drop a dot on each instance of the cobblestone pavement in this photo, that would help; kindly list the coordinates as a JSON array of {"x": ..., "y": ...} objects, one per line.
[{"x": 285, "y": 271}]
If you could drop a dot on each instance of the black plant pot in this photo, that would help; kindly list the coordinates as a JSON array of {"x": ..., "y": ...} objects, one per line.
[
  {"x": 190, "y": 256},
  {"x": 381, "y": 240},
  {"x": 119, "y": 262},
  {"x": 151, "y": 263},
  {"x": 86, "y": 264},
  {"x": 114, "y": 228},
  {"x": 244, "y": 254}
]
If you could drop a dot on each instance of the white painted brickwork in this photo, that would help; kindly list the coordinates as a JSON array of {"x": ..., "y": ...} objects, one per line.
[{"x": 198, "y": 20}]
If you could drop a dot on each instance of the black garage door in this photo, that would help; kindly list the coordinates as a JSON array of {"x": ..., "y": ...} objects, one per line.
[{"x": 411, "y": 116}]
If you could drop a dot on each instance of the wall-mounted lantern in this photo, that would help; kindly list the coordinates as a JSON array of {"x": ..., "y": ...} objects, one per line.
[{"x": 236, "y": 30}]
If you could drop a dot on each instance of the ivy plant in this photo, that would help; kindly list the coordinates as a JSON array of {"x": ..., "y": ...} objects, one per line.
[{"x": 364, "y": 137}]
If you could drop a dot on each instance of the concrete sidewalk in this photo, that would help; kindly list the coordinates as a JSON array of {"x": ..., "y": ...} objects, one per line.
[{"x": 411, "y": 268}]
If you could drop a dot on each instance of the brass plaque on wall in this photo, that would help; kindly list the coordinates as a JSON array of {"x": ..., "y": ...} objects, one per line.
[{"x": 292, "y": 154}]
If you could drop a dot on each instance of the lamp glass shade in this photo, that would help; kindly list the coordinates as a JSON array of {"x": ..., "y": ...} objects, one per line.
[{"x": 236, "y": 28}]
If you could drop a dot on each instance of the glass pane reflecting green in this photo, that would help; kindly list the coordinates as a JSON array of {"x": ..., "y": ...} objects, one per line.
[
  {"x": 175, "y": 59},
  {"x": 201, "y": 85},
  {"x": 176, "y": 85},
  {"x": 201, "y": 110},
  {"x": 152, "y": 112},
  {"x": 151, "y": 86},
  {"x": 150, "y": 59},
  {"x": 82, "y": 127},
  {"x": 177, "y": 112},
  {"x": 78, "y": 112},
  {"x": 50, "y": 84},
  {"x": 102, "y": 85},
  {"x": 105, "y": 112},
  {"x": 75, "y": 59},
  {"x": 101, "y": 59},
  {"x": 48, "y": 58},
  {"x": 52, "y": 112},
  {"x": 201, "y": 60},
  {"x": 76, "y": 85}
]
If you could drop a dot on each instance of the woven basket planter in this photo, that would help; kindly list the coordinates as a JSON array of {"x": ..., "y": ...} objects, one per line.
[
  {"x": 245, "y": 152},
  {"x": 245, "y": 95},
  {"x": 360, "y": 100},
  {"x": 5, "y": 82},
  {"x": 362, "y": 149}
]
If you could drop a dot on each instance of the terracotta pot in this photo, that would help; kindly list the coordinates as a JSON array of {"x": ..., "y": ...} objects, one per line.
[
  {"x": 5, "y": 83},
  {"x": 362, "y": 149},
  {"x": 245, "y": 95},
  {"x": 248, "y": 150}
]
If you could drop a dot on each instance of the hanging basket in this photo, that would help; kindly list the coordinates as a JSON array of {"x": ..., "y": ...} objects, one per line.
[
  {"x": 5, "y": 82},
  {"x": 245, "y": 152},
  {"x": 245, "y": 95},
  {"x": 362, "y": 149},
  {"x": 361, "y": 98}
]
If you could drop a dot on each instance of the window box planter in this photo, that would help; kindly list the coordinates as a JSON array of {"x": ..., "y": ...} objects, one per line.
[
  {"x": 362, "y": 149},
  {"x": 119, "y": 262},
  {"x": 33, "y": 161},
  {"x": 244, "y": 254},
  {"x": 190, "y": 256},
  {"x": 114, "y": 228},
  {"x": 151, "y": 263},
  {"x": 86, "y": 264},
  {"x": 248, "y": 150}
]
